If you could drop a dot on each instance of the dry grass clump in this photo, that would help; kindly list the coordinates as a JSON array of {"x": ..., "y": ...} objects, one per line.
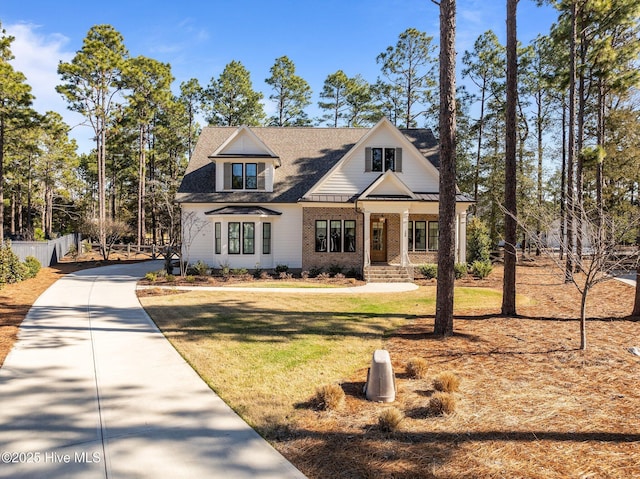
[
  {"x": 442, "y": 403},
  {"x": 446, "y": 382},
  {"x": 417, "y": 368},
  {"x": 329, "y": 397},
  {"x": 389, "y": 419}
]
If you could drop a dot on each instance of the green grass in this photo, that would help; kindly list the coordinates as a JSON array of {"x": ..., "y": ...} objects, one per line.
[{"x": 263, "y": 353}]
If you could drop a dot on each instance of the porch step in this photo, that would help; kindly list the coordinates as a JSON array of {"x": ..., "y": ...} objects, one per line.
[{"x": 388, "y": 274}]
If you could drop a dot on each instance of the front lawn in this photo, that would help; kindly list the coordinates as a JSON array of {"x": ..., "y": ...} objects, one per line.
[{"x": 530, "y": 403}]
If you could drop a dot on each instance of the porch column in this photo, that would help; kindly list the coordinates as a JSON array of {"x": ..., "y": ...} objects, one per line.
[
  {"x": 462, "y": 237},
  {"x": 367, "y": 239},
  {"x": 404, "y": 239}
]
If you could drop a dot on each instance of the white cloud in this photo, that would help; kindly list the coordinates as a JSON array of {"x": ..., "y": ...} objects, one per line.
[{"x": 37, "y": 56}]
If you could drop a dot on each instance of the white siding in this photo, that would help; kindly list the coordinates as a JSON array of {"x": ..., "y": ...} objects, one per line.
[
  {"x": 350, "y": 178},
  {"x": 201, "y": 248},
  {"x": 286, "y": 238}
]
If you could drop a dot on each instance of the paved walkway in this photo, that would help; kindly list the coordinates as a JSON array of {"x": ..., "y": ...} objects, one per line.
[{"x": 93, "y": 390}]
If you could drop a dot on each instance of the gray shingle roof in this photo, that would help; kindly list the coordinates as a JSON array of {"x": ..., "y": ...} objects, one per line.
[{"x": 306, "y": 155}]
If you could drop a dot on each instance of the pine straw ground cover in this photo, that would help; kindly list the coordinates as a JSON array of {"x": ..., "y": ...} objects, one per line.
[{"x": 530, "y": 403}]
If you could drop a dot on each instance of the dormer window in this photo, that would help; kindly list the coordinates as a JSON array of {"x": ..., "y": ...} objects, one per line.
[
  {"x": 383, "y": 159},
  {"x": 244, "y": 176}
]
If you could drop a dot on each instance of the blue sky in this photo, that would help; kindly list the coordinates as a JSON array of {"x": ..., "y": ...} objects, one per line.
[{"x": 198, "y": 38}]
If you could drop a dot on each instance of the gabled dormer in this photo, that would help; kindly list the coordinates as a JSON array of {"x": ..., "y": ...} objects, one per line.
[
  {"x": 244, "y": 163},
  {"x": 383, "y": 148}
]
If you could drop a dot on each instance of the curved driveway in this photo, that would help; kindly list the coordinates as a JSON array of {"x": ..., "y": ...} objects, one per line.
[{"x": 93, "y": 389}]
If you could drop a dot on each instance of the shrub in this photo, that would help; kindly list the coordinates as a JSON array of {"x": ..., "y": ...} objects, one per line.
[
  {"x": 478, "y": 241},
  {"x": 151, "y": 276},
  {"x": 282, "y": 268},
  {"x": 339, "y": 276},
  {"x": 389, "y": 419},
  {"x": 239, "y": 272},
  {"x": 460, "y": 270},
  {"x": 265, "y": 275},
  {"x": 446, "y": 382},
  {"x": 225, "y": 270},
  {"x": 170, "y": 278},
  {"x": 353, "y": 273},
  {"x": 199, "y": 269},
  {"x": 324, "y": 276},
  {"x": 314, "y": 272},
  {"x": 190, "y": 279},
  {"x": 481, "y": 269},
  {"x": 429, "y": 270},
  {"x": 335, "y": 269},
  {"x": 442, "y": 403},
  {"x": 285, "y": 275},
  {"x": 329, "y": 397},
  {"x": 32, "y": 266},
  {"x": 417, "y": 368},
  {"x": 304, "y": 274},
  {"x": 12, "y": 270}
]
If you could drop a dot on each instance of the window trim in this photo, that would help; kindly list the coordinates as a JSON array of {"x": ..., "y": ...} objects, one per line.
[
  {"x": 247, "y": 177},
  {"x": 238, "y": 238},
  {"x": 248, "y": 240},
  {"x": 218, "y": 237},
  {"x": 429, "y": 236},
  {"x": 266, "y": 238}
]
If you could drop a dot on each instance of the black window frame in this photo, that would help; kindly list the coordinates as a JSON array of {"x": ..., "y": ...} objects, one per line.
[
  {"x": 234, "y": 240},
  {"x": 266, "y": 238}
]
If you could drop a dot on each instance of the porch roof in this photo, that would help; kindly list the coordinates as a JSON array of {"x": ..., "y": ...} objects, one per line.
[{"x": 243, "y": 210}]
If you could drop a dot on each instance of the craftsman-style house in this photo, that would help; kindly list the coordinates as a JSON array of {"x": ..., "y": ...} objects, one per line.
[{"x": 312, "y": 198}]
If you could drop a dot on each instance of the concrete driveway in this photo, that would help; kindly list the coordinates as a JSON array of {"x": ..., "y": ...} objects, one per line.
[{"x": 93, "y": 389}]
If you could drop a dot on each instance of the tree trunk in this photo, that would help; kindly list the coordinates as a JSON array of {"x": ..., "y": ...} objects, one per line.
[
  {"x": 141, "y": 188},
  {"x": 636, "y": 303},
  {"x": 583, "y": 319},
  {"x": 570, "y": 207},
  {"x": 443, "y": 325},
  {"x": 2, "y": 130},
  {"x": 510, "y": 189}
]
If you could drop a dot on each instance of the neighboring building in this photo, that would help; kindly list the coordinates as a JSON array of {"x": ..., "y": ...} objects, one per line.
[{"x": 311, "y": 198}]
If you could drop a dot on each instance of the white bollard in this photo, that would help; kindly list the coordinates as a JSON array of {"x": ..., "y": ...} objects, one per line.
[{"x": 381, "y": 382}]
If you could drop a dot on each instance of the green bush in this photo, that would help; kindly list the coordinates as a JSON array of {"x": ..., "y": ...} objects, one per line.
[
  {"x": 151, "y": 276},
  {"x": 12, "y": 270},
  {"x": 481, "y": 269},
  {"x": 478, "y": 241},
  {"x": 460, "y": 270},
  {"x": 32, "y": 265},
  {"x": 429, "y": 270},
  {"x": 281, "y": 268},
  {"x": 200, "y": 268}
]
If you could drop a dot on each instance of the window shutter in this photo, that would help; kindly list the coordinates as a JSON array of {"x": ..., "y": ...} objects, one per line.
[
  {"x": 367, "y": 159},
  {"x": 261, "y": 176},
  {"x": 227, "y": 176},
  {"x": 398, "y": 160}
]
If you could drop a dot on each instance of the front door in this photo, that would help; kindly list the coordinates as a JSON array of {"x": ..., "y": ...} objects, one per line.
[{"x": 378, "y": 240}]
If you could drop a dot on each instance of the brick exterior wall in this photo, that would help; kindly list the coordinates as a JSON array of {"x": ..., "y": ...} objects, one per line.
[{"x": 311, "y": 258}]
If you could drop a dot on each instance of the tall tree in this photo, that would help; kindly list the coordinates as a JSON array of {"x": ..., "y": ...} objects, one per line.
[
  {"x": 484, "y": 66},
  {"x": 291, "y": 93},
  {"x": 231, "y": 100},
  {"x": 334, "y": 93},
  {"x": 191, "y": 97},
  {"x": 91, "y": 82},
  {"x": 443, "y": 325},
  {"x": 15, "y": 102},
  {"x": 510, "y": 198},
  {"x": 411, "y": 68},
  {"x": 148, "y": 82}
]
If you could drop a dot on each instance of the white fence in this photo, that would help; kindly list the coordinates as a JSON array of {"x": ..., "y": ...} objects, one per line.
[{"x": 47, "y": 252}]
